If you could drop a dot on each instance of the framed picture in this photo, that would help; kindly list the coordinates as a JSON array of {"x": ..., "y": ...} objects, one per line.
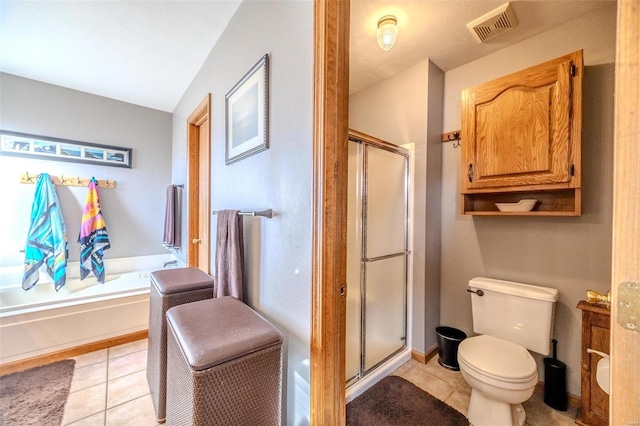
[
  {"x": 46, "y": 148},
  {"x": 247, "y": 114}
]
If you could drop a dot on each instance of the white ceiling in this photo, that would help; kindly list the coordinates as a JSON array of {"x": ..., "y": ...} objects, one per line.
[
  {"x": 141, "y": 52},
  {"x": 147, "y": 52},
  {"x": 437, "y": 29}
]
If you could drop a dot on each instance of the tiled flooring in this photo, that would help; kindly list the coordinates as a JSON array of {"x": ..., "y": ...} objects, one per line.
[
  {"x": 450, "y": 387},
  {"x": 109, "y": 387}
]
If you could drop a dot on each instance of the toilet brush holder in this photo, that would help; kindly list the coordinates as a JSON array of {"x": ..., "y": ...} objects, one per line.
[{"x": 555, "y": 381}]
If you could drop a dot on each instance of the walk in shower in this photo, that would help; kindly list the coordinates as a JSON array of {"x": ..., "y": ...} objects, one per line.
[{"x": 377, "y": 254}]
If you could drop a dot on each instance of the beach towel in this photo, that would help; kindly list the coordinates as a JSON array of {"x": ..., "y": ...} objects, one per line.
[
  {"x": 172, "y": 219},
  {"x": 229, "y": 256},
  {"x": 46, "y": 238},
  {"x": 93, "y": 236}
]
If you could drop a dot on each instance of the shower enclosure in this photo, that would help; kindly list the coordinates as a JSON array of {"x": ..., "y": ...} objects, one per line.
[{"x": 377, "y": 254}]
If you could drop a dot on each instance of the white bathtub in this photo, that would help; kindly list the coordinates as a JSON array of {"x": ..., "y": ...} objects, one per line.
[{"x": 41, "y": 320}]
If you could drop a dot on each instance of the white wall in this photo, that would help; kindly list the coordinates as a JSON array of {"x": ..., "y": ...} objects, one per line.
[
  {"x": 133, "y": 211},
  {"x": 278, "y": 252},
  {"x": 403, "y": 109},
  {"x": 570, "y": 254}
]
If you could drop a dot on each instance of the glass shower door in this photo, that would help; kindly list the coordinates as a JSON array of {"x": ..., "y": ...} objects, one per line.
[
  {"x": 384, "y": 254},
  {"x": 377, "y": 253}
]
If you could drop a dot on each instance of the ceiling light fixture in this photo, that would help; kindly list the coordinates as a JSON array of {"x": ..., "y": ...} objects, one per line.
[{"x": 387, "y": 32}]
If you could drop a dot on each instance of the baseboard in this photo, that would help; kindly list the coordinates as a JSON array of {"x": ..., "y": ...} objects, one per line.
[
  {"x": 573, "y": 401},
  {"x": 24, "y": 364},
  {"x": 424, "y": 357}
]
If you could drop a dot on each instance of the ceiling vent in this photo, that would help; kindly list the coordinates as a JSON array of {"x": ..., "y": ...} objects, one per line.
[{"x": 493, "y": 23}]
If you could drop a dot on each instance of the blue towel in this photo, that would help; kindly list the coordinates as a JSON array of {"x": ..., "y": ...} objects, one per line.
[{"x": 47, "y": 237}]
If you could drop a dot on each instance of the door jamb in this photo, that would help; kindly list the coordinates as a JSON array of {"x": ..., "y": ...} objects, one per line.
[{"x": 197, "y": 177}]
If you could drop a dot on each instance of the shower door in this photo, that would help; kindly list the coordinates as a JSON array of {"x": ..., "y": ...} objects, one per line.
[{"x": 377, "y": 254}]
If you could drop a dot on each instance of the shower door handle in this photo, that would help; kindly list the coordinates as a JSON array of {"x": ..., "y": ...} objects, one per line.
[{"x": 386, "y": 256}]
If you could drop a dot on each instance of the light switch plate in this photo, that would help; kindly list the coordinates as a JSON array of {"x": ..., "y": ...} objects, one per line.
[{"x": 629, "y": 305}]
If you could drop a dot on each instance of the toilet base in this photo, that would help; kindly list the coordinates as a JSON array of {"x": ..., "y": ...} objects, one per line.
[{"x": 484, "y": 411}]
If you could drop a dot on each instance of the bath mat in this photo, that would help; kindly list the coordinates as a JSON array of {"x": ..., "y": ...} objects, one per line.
[
  {"x": 395, "y": 401},
  {"x": 36, "y": 396}
]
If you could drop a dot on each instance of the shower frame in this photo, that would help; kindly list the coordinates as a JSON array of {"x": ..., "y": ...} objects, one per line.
[{"x": 369, "y": 141}]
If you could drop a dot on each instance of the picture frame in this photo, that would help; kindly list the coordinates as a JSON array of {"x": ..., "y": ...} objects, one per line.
[
  {"x": 48, "y": 148},
  {"x": 247, "y": 114}
]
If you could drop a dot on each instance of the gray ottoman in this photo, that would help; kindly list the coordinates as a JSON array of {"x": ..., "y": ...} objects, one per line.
[
  {"x": 169, "y": 287},
  {"x": 224, "y": 365}
]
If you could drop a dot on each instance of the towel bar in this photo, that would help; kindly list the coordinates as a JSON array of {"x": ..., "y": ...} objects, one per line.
[{"x": 264, "y": 213}]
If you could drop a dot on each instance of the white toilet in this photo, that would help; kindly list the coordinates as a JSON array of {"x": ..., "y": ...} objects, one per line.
[{"x": 511, "y": 319}]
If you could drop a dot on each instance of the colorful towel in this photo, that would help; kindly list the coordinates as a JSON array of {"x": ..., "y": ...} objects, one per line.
[
  {"x": 47, "y": 237},
  {"x": 93, "y": 236}
]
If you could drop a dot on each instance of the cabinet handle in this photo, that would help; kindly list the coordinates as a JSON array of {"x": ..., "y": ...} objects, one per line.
[{"x": 470, "y": 173}]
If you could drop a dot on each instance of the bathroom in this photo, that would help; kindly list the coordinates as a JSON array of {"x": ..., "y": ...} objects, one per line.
[{"x": 571, "y": 254}]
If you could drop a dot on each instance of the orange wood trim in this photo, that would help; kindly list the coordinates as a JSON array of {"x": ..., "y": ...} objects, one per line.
[
  {"x": 197, "y": 177},
  {"x": 418, "y": 356},
  {"x": 24, "y": 364},
  {"x": 624, "y": 400},
  {"x": 424, "y": 357},
  {"x": 330, "y": 156}
]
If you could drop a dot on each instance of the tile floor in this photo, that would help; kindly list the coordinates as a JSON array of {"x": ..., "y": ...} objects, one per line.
[
  {"x": 109, "y": 387},
  {"x": 450, "y": 387}
]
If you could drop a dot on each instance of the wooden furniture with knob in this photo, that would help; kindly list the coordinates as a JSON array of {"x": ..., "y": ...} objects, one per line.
[
  {"x": 594, "y": 409},
  {"x": 521, "y": 139}
]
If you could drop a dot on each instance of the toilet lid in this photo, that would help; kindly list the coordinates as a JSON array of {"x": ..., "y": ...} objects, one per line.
[{"x": 497, "y": 358}]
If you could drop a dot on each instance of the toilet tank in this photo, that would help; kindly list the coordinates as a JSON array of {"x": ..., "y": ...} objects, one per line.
[{"x": 519, "y": 313}]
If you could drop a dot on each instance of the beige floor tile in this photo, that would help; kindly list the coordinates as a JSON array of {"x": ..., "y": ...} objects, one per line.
[
  {"x": 459, "y": 400},
  {"x": 139, "y": 412},
  {"x": 91, "y": 358},
  {"x": 428, "y": 382},
  {"x": 454, "y": 378},
  {"x": 404, "y": 367},
  {"x": 128, "y": 348},
  {"x": 540, "y": 414},
  {"x": 127, "y": 388},
  {"x": 91, "y": 375},
  {"x": 127, "y": 364},
  {"x": 85, "y": 403},
  {"x": 95, "y": 420}
]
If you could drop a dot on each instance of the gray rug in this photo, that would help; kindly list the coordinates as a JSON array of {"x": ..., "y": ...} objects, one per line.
[
  {"x": 36, "y": 396},
  {"x": 396, "y": 401}
]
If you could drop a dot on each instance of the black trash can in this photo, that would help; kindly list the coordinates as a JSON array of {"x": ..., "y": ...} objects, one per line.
[
  {"x": 555, "y": 381},
  {"x": 448, "y": 340}
]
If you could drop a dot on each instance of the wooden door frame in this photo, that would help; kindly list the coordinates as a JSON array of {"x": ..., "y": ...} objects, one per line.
[
  {"x": 331, "y": 96},
  {"x": 330, "y": 158},
  {"x": 196, "y": 176},
  {"x": 624, "y": 399}
]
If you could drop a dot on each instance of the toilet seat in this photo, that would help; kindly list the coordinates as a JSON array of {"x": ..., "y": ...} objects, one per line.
[{"x": 497, "y": 359}]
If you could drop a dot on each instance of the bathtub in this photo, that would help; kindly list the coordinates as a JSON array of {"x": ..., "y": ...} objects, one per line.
[{"x": 41, "y": 320}]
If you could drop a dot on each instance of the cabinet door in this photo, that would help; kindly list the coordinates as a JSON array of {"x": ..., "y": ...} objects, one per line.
[{"x": 524, "y": 128}]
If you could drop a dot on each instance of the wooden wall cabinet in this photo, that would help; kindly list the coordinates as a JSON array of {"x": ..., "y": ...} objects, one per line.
[
  {"x": 594, "y": 406},
  {"x": 521, "y": 138}
]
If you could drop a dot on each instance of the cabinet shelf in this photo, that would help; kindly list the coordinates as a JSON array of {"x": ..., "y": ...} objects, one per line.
[{"x": 562, "y": 202}]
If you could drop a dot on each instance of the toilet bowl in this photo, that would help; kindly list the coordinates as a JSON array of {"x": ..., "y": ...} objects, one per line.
[
  {"x": 502, "y": 375},
  {"x": 510, "y": 319}
]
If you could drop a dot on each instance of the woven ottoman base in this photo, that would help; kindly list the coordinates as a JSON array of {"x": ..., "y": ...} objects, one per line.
[
  {"x": 228, "y": 371},
  {"x": 169, "y": 288}
]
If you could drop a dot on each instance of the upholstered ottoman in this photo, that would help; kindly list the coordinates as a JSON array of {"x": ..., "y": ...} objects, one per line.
[
  {"x": 169, "y": 287},
  {"x": 224, "y": 365}
]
